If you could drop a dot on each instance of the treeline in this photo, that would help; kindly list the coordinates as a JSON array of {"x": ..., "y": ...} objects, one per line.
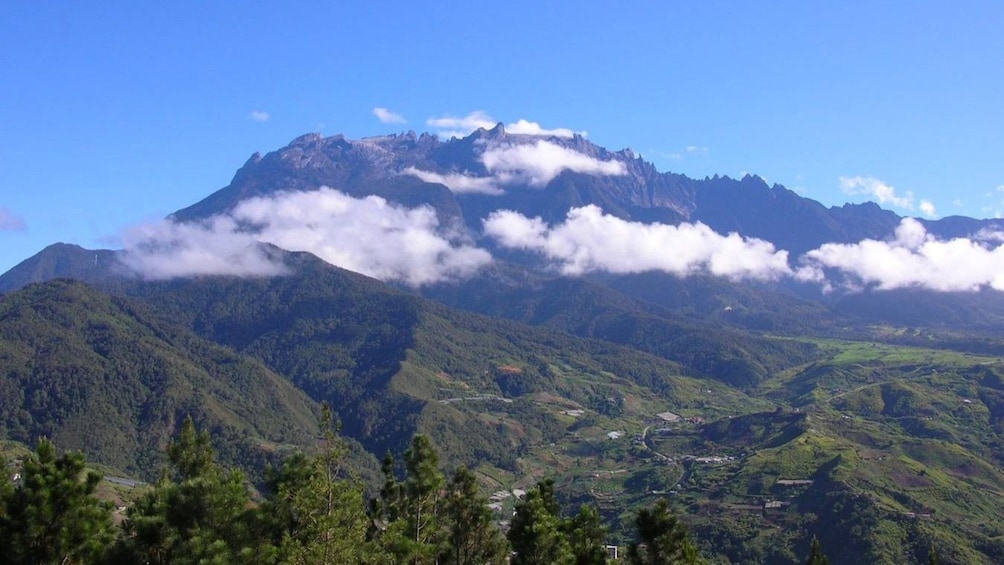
[{"x": 310, "y": 511}]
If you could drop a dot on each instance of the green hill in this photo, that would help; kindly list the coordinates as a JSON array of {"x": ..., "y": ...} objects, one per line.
[
  {"x": 392, "y": 363},
  {"x": 100, "y": 374}
]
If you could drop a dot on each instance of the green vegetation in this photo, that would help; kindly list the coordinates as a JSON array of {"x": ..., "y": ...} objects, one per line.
[
  {"x": 882, "y": 446},
  {"x": 312, "y": 512},
  {"x": 100, "y": 374}
]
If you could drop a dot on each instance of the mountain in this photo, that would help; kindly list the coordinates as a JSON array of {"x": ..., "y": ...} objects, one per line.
[
  {"x": 61, "y": 260},
  {"x": 767, "y": 407},
  {"x": 466, "y": 180},
  {"x": 405, "y": 168}
]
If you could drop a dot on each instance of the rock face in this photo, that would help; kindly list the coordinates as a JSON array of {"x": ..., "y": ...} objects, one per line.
[{"x": 414, "y": 169}]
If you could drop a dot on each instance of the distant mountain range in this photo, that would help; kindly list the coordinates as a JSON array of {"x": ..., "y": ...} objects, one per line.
[
  {"x": 520, "y": 209},
  {"x": 413, "y": 170}
]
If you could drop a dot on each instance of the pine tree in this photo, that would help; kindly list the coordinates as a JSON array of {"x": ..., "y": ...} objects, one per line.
[
  {"x": 407, "y": 518},
  {"x": 197, "y": 513},
  {"x": 473, "y": 538},
  {"x": 535, "y": 532},
  {"x": 51, "y": 515},
  {"x": 816, "y": 556},
  {"x": 585, "y": 535},
  {"x": 317, "y": 515},
  {"x": 662, "y": 538}
]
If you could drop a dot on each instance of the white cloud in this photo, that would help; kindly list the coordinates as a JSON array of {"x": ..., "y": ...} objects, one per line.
[
  {"x": 259, "y": 116},
  {"x": 11, "y": 222},
  {"x": 528, "y": 164},
  {"x": 368, "y": 235},
  {"x": 450, "y": 126},
  {"x": 458, "y": 182},
  {"x": 589, "y": 240},
  {"x": 165, "y": 250},
  {"x": 880, "y": 191},
  {"x": 913, "y": 258},
  {"x": 524, "y": 127},
  {"x": 990, "y": 235},
  {"x": 927, "y": 207},
  {"x": 536, "y": 164},
  {"x": 387, "y": 117}
]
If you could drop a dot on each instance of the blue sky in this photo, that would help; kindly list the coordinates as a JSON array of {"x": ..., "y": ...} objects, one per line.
[{"x": 116, "y": 113}]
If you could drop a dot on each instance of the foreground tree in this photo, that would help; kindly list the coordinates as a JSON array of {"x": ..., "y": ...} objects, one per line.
[
  {"x": 51, "y": 515},
  {"x": 816, "y": 556},
  {"x": 662, "y": 538},
  {"x": 536, "y": 534},
  {"x": 473, "y": 537},
  {"x": 314, "y": 514},
  {"x": 198, "y": 513},
  {"x": 585, "y": 536},
  {"x": 408, "y": 518}
]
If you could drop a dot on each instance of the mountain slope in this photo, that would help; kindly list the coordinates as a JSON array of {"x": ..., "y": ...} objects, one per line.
[
  {"x": 61, "y": 260},
  {"x": 703, "y": 345},
  {"x": 389, "y": 361},
  {"x": 102, "y": 375}
]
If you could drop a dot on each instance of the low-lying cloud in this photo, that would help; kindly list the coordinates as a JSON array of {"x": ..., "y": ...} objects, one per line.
[
  {"x": 393, "y": 243},
  {"x": 368, "y": 235},
  {"x": 912, "y": 259},
  {"x": 457, "y": 182},
  {"x": 11, "y": 222},
  {"x": 218, "y": 246},
  {"x": 592, "y": 241},
  {"x": 451, "y": 126},
  {"x": 536, "y": 164},
  {"x": 589, "y": 241}
]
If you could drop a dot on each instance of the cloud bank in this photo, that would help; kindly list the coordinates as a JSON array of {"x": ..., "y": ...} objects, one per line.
[
  {"x": 912, "y": 259},
  {"x": 589, "y": 241},
  {"x": 368, "y": 236},
  {"x": 11, "y": 222},
  {"x": 457, "y": 182},
  {"x": 536, "y": 164},
  {"x": 387, "y": 117},
  {"x": 394, "y": 243},
  {"x": 451, "y": 126}
]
